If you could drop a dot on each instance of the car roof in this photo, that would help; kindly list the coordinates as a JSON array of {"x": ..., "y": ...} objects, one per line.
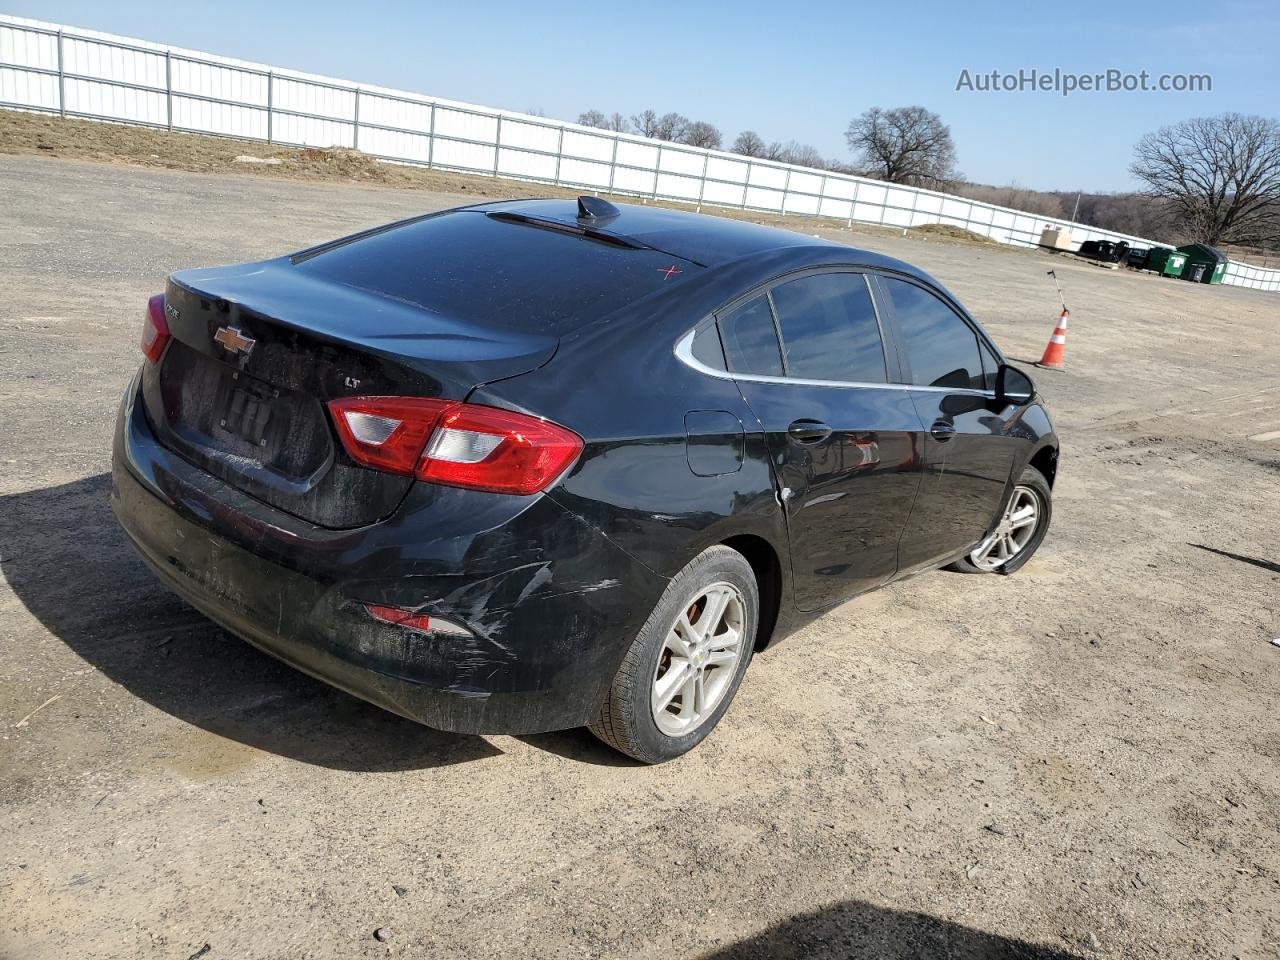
[{"x": 701, "y": 238}]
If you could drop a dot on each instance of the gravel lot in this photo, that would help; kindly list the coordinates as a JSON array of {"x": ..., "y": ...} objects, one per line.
[{"x": 1080, "y": 760}]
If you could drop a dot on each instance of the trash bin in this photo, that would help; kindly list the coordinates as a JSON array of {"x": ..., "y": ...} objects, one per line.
[
  {"x": 1166, "y": 261},
  {"x": 1210, "y": 258},
  {"x": 1136, "y": 258}
]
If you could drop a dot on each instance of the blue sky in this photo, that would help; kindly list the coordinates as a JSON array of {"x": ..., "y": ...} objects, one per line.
[{"x": 787, "y": 70}]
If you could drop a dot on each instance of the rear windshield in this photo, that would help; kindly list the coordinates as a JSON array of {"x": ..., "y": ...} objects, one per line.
[{"x": 512, "y": 276}]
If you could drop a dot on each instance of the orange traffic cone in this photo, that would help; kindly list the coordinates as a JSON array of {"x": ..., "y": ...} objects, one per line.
[{"x": 1053, "y": 353}]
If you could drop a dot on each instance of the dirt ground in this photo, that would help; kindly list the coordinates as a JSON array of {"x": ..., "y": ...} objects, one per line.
[
  {"x": 1080, "y": 760},
  {"x": 67, "y": 138}
]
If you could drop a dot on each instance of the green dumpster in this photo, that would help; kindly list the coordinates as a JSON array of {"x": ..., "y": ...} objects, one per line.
[
  {"x": 1205, "y": 264},
  {"x": 1166, "y": 261}
]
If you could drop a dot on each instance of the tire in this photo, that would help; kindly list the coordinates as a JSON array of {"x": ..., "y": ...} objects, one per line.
[
  {"x": 1030, "y": 486},
  {"x": 630, "y": 720}
]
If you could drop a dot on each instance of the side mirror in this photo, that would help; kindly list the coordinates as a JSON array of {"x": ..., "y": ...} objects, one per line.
[{"x": 1013, "y": 386}]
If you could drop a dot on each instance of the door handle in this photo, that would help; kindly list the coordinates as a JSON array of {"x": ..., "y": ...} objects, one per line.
[
  {"x": 943, "y": 430},
  {"x": 808, "y": 431}
]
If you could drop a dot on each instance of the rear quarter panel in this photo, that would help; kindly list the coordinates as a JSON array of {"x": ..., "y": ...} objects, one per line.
[{"x": 619, "y": 385}]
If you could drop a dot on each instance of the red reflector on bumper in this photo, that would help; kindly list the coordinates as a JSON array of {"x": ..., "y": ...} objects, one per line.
[
  {"x": 401, "y": 618},
  {"x": 414, "y": 621}
]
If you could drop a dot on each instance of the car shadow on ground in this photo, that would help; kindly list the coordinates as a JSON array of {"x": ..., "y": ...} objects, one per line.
[
  {"x": 68, "y": 562},
  {"x": 1267, "y": 565},
  {"x": 580, "y": 746},
  {"x": 855, "y": 930}
]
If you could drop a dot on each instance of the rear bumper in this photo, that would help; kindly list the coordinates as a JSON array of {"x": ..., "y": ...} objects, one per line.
[{"x": 552, "y": 603}]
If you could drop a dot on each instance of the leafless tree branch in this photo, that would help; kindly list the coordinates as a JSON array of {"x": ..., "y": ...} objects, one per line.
[{"x": 1220, "y": 176}]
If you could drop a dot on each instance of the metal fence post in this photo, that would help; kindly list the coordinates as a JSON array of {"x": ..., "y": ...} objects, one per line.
[
  {"x": 746, "y": 186},
  {"x": 168, "y": 90},
  {"x": 786, "y": 187},
  {"x": 497, "y": 146},
  {"x": 271, "y": 78},
  {"x": 613, "y": 161},
  {"x": 559, "y": 154},
  {"x": 62, "y": 81},
  {"x": 853, "y": 201},
  {"x": 657, "y": 169},
  {"x": 355, "y": 123},
  {"x": 822, "y": 190},
  {"x": 431, "y": 137},
  {"x": 702, "y": 184}
]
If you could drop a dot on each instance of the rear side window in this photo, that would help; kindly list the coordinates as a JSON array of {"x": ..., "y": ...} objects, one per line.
[
  {"x": 941, "y": 348},
  {"x": 829, "y": 328},
  {"x": 476, "y": 269},
  {"x": 751, "y": 340},
  {"x": 706, "y": 348}
]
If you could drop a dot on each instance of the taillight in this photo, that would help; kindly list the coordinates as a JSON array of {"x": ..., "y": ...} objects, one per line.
[
  {"x": 155, "y": 329},
  {"x": 455, "y": 444},
  {"x": 386, "y": 433},
  {"x": 484, "y": 448}
]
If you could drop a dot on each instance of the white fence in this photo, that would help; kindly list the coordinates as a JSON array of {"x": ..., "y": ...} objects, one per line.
[{"x": 82, "y": 73}]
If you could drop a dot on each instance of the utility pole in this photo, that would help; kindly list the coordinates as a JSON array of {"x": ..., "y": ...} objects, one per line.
[{"x": 1076, "y": 209}]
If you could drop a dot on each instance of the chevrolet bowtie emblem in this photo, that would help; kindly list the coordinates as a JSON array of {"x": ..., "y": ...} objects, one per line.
[{"x": 233, "y": 340}]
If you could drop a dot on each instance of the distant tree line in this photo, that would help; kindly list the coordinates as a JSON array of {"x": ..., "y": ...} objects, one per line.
[
  {"x": 677, "y": 128},
  {"x": 1210, "y": 179}
]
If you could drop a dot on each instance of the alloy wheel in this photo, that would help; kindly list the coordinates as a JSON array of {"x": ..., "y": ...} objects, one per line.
[
  {"x": 1016, "y": 529},
  {"x": 698, "y": 660}
]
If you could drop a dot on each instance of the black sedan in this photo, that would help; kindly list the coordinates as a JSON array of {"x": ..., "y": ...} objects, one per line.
[{"x": 533, "y": 465}]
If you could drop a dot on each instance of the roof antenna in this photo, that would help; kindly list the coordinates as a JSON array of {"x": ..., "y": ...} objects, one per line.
[{"x": 593, "y": 208}]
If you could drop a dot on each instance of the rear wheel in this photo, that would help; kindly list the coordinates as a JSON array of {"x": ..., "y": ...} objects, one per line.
[
  {"x": 1021, "y": 529},
  {"x": 683, "y": 669}
]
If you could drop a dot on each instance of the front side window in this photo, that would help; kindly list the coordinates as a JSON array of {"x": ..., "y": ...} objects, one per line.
[
  {"x": 751, "y": 340},
  {"x": 829, "y": 328},
  {"x": 941, "y": 348},
  {"x": 990, "y": 366}
]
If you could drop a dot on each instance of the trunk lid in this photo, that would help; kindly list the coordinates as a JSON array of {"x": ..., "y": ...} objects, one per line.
[{"x": 258, "y": 349}]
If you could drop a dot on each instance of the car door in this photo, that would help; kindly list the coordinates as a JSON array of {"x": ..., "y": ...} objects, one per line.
[
  {"x": 811, "y": 362},
  {"x": 968, "y": 454}
]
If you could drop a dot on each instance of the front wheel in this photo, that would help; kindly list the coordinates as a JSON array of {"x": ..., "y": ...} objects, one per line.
[
  {"x": 1021, "y": 529},
  {"x": 684, "y": 667}
]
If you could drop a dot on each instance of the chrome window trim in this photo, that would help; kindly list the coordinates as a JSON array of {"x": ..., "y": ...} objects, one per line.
[{"x": 684, "y": 353}]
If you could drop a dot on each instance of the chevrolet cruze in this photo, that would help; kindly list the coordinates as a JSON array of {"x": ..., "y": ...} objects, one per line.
[{"x": 527, "y": 466}]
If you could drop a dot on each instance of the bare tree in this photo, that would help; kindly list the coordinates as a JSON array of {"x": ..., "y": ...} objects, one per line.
[
  {"x": 904, "y": 145},
  {"x": 671, "y": 126},
  {"x": 1015, "y": 196},
  {"x": 646, "y": 123},
  {"x": 702, "y": 134},
  {"x": 1134, "y": 213},
  {"x": 801, "y": 154},
  {"x": 595, "y": 118},
  {"x": 748, "y": 144},
  {"x": 1221, "y": 176}
]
